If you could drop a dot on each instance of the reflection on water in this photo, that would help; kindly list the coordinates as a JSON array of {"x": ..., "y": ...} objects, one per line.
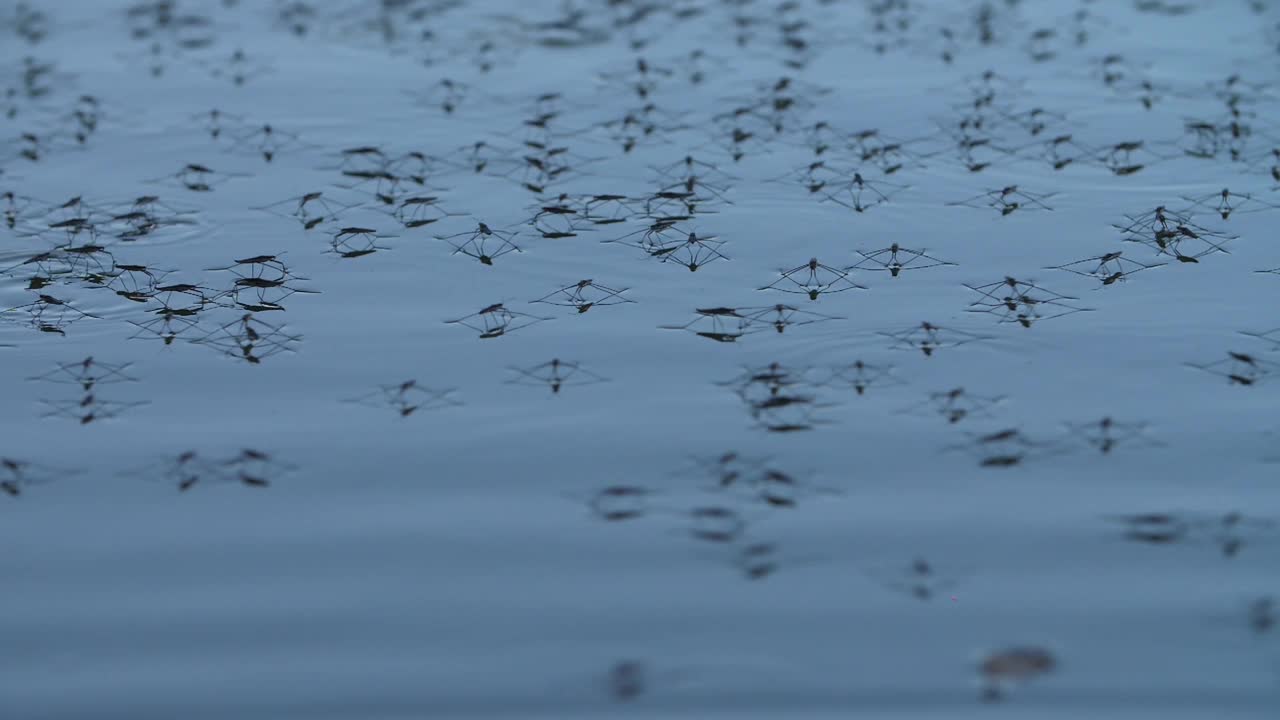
[{"x": 986, "y": 422}]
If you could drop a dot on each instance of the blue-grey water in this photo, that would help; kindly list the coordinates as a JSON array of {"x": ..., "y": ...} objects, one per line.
[{"x": 353, "y": 367}]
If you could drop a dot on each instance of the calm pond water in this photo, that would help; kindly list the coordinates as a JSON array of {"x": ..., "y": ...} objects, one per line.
[{"x": 354, "y": 366}]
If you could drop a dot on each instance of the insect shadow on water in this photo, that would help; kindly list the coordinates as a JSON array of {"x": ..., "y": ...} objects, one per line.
[
  {"x": 584, "y": 295},
  {"x": 496, "y": 320},
  {"x": 555, "y": 374},
  {"x": 407, "y": 398},
  {"x": 814, "y": 279}
]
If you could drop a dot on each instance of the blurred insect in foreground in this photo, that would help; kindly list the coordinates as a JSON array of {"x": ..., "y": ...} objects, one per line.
[
  {"x": 1240, "y": 368},
  {"x": 16, "y": 476},
  {"x": 1004, "y": 669},
  {"x": 1106, "y": 434},
  {"x": 408, "y": 397},
  {"x": 860, "y": 376},
  {"x": 1003, "y": 448},
  {"x": 920, "y": 580}
]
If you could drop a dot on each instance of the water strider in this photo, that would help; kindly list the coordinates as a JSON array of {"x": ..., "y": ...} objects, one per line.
[{"x": 242, "y": 480}]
